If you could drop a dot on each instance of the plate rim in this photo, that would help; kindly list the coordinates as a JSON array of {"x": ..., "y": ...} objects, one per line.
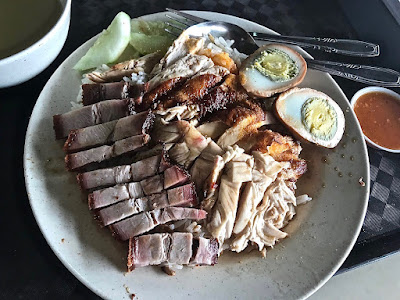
[{"x": 83, "y": 279}]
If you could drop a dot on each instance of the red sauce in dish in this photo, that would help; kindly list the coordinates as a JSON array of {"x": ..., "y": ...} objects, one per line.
[{"x": 379, "y": 117}]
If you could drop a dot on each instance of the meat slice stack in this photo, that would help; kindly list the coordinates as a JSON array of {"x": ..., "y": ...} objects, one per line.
[
  {"x": 180, "y": 196},
  {"x": 178, "y": 248},
  {"x": 110, "y": 139}
]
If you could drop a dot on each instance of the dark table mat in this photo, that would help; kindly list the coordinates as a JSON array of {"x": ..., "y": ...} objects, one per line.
[{"x": 31, "y": 270}]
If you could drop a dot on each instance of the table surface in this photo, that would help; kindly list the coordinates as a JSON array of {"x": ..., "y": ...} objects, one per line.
[{"x": 29, "y": 267}]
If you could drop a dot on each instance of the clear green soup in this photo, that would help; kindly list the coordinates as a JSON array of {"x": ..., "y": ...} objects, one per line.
[{"x": 24, "y": 22}]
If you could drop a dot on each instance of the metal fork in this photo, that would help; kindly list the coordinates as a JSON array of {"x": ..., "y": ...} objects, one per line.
[
  {"x": 245, "y": 43},
  {"x": 331, "y": 45}
]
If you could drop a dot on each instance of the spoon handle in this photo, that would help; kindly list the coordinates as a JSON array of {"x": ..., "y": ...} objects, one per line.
[
  {"x": 361, "y": 73},
  {"x": 331, "y": 45}
]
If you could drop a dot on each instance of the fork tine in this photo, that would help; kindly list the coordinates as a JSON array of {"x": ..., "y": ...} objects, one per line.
[
  {"x": 186, "y": 24},
  {"x": 187, "y": 16},
  {"x": 171, "y": 32},
  {"x": 176, "y": 26}
]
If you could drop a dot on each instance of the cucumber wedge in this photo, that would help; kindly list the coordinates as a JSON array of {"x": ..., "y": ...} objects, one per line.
[
  {"x": 147, "y": 44},
  {"x": 110, "y": 44}
]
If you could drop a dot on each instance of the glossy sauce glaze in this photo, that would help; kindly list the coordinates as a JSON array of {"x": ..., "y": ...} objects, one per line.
[{"x": 379, "y": 117}]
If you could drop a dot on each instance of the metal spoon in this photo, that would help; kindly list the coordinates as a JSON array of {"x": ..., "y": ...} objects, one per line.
[
  {"x": 245, "y": 43},
  {"x": 327, "y": 44}
]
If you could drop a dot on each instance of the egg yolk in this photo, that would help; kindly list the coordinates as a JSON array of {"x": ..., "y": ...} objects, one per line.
[
  {"x": 319, "y": 118},
  {"x": 276, "y": 65}
]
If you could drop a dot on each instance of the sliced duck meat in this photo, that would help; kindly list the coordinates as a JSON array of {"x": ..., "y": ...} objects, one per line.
[
  {"x": 120, "y": 174},
  {"x": 175, "y": 176},
  {"x": 159, "y": 91},
  {"x": 195, "y": 88},
  {"x": 152, "y": 184},
  {"x": 184, "y": 196},
  {"x": 80, "y": 159},
  {"x": 117, "y": 72},
  {"x": 127, "y": 208},
  {"x": 117, "y": 193},
  {"x": 180, "y": 48},
  {"x": 185, "y": 67},
  {"x": 90, "y": 115},
  {"x": 205, "y": 252},
  {"x": 96, "y": 92},
  {"x": 145, "y": 221},
  {"x": 186, "y": 152},
  {"x": 109, "y": 132},
  {"x": 155, "y": 249}
]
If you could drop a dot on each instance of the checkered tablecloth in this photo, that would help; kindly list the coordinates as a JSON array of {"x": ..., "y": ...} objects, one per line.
[
  {"x": 383, "y": 213},
  {"x": 286, "y": 17},
  {"x": 45, "y": 277}
]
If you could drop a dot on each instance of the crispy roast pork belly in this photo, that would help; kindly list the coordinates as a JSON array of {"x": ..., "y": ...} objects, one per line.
[
  {"x": 118, "y": 71},
  {"x": 244, "y": 119},
  {"x": 281, "y": 148},
  {"x": 121, "y": 174},
  {"x": 159, "y": 91},
  {"x": 178, "y": 248},
  {"x": 180, "y": 48},
  {"x": 99, "y": 113},
  {"x": 180, "y": 196},
  {"x": 74, "y": 161},
  {"x": 222, "y": 95},
  {"x": 84, "y": 138},
  {"x": 146, "y": 221},
  {"x": 196, "y": 87},
  {"x": 171, "y": 177}
]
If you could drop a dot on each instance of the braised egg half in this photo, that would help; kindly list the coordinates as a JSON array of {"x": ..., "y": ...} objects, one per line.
[
  {"x": 272, "y": 69},
  {"x": 311, "y": 115}
]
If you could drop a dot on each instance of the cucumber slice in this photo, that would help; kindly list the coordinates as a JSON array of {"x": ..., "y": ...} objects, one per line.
[
  {"x": 148, "y": 27},
  {"x": 110, "y": 44},
  {"x": 128, "y": 54},
  {"x": 146, "y": 44}
]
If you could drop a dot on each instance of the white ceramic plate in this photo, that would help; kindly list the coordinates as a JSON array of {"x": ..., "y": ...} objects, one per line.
[{"x": 321, "y": 235}]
